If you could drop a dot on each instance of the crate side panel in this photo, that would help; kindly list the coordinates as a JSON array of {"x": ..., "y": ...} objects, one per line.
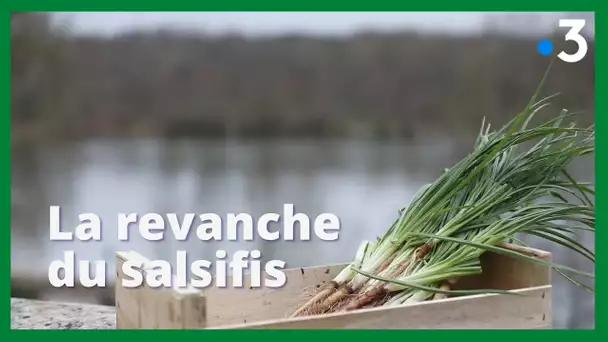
[
  {"x": 504, "y": 272},
  {"x": 156, "y": 308},
  {"x": 194, "y": 312},
  {"x": 231, "y": 305},
  {"x": 126, "y": 301},
  {"x": 531, "y": 311}
]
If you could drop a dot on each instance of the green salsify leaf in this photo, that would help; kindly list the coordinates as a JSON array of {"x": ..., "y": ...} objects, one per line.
[
  {"x": 570, "y": 229},
  {"x": 436, "y": 289},
  {"x": 505, "y": 251},
  {"x": 576, "y": 282},
  {"x": 558, "y": 196},
  {"x": 571, "y": 179},
  {"x": 564, "y": 241}
]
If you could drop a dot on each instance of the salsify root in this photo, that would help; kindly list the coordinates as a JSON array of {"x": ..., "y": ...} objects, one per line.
[
  {"x": 325, "y": 292},
  {"x": 386, "y": 264},
  {"x": 443, "y": 287},
  {"x": 332, "y": 301},
  {"x": 366, "y": 298},
  {"x": 424, "y": 250}
]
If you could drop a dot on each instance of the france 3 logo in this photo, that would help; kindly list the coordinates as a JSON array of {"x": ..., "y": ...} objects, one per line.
[{"x": 575, "y": 26}]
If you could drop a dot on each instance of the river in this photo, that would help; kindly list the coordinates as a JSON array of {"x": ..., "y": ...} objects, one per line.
[{"x": 363, "y": 182}]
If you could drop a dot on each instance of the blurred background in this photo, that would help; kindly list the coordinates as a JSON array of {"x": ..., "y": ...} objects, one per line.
[{"x": 349, "y": 113}]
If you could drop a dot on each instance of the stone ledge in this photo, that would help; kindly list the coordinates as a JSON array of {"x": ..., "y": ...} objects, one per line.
[{"x": 36, "y": 314}]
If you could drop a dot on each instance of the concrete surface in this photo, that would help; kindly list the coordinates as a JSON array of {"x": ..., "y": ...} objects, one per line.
[{"x": 35, "y": 314}]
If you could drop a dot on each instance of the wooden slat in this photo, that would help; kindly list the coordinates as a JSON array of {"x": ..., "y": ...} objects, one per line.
[
  {"x": 490, "y": 311},
  {"x": 245, "y": 305},
  {"x": 126, "y": 301},
  {"x": 156, "y": 308}
]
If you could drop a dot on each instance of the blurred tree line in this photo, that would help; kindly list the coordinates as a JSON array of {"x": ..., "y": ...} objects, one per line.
[{"x": 176, "y": 84}]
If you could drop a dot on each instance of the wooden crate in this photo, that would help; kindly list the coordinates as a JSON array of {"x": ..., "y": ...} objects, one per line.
[{"x": 265, "y": 308}]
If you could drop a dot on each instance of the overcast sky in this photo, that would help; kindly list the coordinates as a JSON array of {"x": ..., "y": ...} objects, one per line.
[{"x": 273, "y": 23}]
